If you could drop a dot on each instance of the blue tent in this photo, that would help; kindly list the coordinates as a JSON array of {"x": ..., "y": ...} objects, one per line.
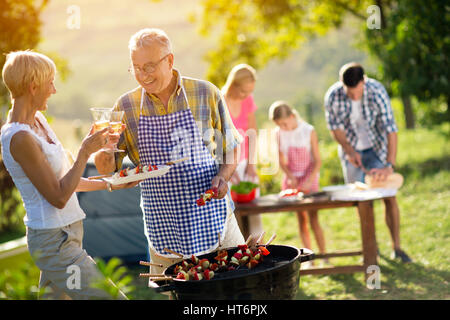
[{"x": 114, "y": 225}]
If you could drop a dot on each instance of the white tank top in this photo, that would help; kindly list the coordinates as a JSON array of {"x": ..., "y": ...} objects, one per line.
[
  {"x": 40, "y": 214},
  {"x": 298, "y": 138},
  {"x": 360, "y": 125},
  {"x": 295, "y": 145}
]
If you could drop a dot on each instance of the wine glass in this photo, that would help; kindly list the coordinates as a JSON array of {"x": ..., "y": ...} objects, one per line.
[
  {"x": 101, "y": 119},
  {"x": 115, "y": 121}
]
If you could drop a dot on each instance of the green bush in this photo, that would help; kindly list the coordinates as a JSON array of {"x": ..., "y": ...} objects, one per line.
[
  {"x": 11, "y": 208},
  {"x": 19, "y": 284},
  {"x": 116, "y": 277}
]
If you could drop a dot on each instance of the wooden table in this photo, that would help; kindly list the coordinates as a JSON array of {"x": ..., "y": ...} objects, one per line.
[{"x": 272, "y": 204}]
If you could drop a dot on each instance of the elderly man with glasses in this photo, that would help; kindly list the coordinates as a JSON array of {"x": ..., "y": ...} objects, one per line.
[{"x": 168, "y": 117}]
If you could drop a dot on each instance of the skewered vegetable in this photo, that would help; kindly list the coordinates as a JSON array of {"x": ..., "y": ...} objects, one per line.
[
  {"x": 207, "y": 196},
  {"x": 196, "y": 269}
]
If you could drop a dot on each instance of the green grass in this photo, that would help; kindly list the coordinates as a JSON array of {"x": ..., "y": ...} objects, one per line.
[{"x": 424, "y": 202}]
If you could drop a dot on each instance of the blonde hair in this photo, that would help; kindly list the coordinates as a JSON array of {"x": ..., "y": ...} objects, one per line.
[
  {"x": 281, "y": 109},
  {"x": 240, "y": 74},
  {"x": 22, "y": 68},
  {"x": 147, "y": 37}
]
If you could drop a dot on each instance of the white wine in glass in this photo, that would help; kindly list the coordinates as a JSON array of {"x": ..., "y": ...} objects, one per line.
[
  {"x": 115, "y": 122},
  {"x": 101, "y": 119}
]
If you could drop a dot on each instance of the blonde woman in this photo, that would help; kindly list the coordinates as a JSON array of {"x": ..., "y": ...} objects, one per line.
[
  {"x": 238, "y": 94},
  {"x": 41, "y": 171}
]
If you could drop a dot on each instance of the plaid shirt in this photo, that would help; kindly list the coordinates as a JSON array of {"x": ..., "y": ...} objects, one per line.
[
  {"x": 376, "y": 110},
  {"x": 207, "y": 106}
]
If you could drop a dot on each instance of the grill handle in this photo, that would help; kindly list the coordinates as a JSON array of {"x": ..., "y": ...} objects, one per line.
[
  {"x": 306, "y": 255},
  {"x": 162, "y": 288}
]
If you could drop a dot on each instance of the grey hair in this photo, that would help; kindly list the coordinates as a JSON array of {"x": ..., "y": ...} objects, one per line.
[{"x": 147, "y": 37}]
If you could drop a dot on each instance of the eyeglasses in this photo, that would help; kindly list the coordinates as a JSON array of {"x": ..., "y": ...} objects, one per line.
[{"x": 147, "y": 68}]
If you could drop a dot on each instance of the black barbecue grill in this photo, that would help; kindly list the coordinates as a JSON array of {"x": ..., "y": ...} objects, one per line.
[{"x": 276, "y": 277}]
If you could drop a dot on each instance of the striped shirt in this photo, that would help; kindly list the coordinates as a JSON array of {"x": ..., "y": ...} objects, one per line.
[
  {"x": 376, "y": 111},
  {"x": 207, "y": 106}
]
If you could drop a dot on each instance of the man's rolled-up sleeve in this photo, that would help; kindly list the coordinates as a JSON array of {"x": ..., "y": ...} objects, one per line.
[
  {"x": 383, "y": 101},
  {"x": 334, "y": 121}
]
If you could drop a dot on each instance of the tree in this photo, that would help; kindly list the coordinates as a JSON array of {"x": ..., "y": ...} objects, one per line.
[
  {"x": 256, "y": 31},
  {"x": 20, "y": 28},
  {"x": 414, "y": 47}
]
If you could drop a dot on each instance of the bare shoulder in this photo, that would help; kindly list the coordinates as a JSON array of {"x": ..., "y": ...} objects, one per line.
[{"x": 23, "y": 145}]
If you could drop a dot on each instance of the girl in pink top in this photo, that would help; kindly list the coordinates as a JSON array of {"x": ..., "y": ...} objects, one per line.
[
  {"x": 237, "y": 92},
  {"x": 300, "y": 160}
]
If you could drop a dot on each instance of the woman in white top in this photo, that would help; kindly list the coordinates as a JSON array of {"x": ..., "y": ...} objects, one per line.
[{"x": 47, "y": 183}]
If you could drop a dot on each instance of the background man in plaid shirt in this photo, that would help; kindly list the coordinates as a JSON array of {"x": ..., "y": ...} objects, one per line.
[{"x": 359, "y": 115}]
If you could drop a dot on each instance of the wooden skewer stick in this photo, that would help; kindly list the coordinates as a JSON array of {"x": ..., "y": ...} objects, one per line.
[
  {"x": 271, "y": 239},
  {"x": 155, "y": 276},
  {"x": 218, "y": 235},
  {"x": 260, "y": 237},
  {"x": 148, "y": 264},
  {"x": 100, "y": 176},
  {"x": 173, "y": 252},
  {"x": 176, "y": 161},
  {"x": 250, "y": 237}
]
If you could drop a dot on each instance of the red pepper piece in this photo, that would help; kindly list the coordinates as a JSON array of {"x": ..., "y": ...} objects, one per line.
[
  {"x": 221, "y": 255},
  {"x": 208, "y": 274},
  {"x": 264, "y": 251},
  {"x": 177, "y": 269},
  {"x": 214, "y": 266},
  {"x": 181, "y": 276},
  {"x": 123, "y": 173},
  {"x": 252, "y": 263},
  {"x": 215, "y": 191},
  {"x": 237, "y": 255},
  {"x": 155, "y": 167},
  {"x": 243, "y": 247},
  {"x": 201, "y": 202},
  {"x": 194, "y": 259}
]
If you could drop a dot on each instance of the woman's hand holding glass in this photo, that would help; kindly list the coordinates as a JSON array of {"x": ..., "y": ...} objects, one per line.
[
  {"x": 95, "y": 140},
  {"x": 106, "y": 118}
]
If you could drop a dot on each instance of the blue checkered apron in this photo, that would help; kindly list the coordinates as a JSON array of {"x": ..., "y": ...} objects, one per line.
[{"x": 171, "y": 215}]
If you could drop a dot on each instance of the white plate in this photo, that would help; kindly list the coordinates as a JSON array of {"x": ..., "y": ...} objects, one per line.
[
  {"x": 140, "y": 176},
  {"x": 340, "y": 187},
  {"x": 336, "y": 190},
  {"x": 297, "y": 197}
]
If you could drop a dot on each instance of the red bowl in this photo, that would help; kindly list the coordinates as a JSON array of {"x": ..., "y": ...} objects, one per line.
[{"x": 243, "y": 198}]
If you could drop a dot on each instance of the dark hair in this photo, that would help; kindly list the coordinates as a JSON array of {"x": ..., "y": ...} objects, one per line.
[{"x": 351, "y": 74}]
